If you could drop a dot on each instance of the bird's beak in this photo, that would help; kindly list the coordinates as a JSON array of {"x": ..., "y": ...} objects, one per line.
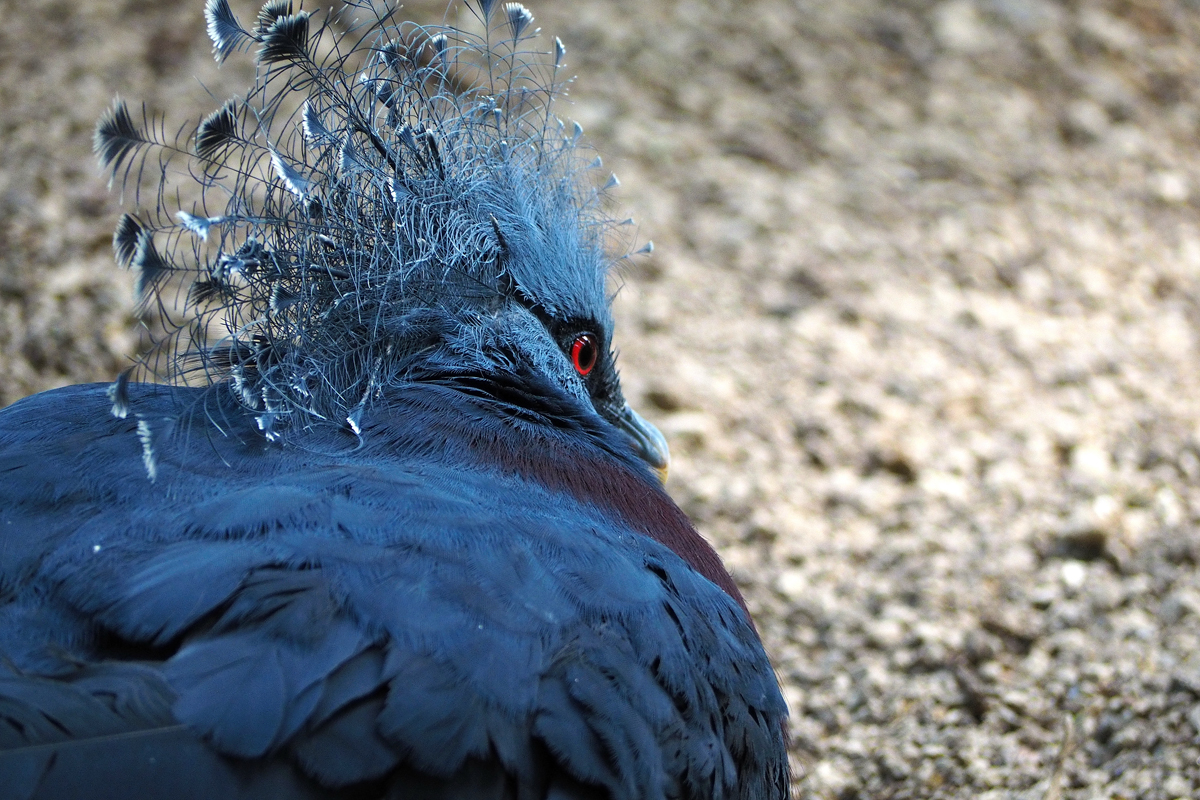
[{"x": 649, "y": 442}]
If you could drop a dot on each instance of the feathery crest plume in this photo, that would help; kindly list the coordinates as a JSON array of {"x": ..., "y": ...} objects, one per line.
[{"x": 356, "y": 206}]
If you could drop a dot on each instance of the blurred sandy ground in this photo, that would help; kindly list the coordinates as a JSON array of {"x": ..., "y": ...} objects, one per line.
[{"x": 921, "y": 326}]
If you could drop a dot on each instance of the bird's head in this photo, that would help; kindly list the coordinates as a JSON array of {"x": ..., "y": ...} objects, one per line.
[{"x": 389, "y": 203}]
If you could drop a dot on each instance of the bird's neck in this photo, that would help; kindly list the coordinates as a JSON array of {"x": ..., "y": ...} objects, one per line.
[{"x": 592, "y": 462}]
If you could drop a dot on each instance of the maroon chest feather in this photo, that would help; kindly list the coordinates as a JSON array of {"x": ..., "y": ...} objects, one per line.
[{"x": 604, "y": 482}]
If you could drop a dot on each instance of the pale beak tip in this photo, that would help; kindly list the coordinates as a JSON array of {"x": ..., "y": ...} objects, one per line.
[{"x": 649, "y": 442}]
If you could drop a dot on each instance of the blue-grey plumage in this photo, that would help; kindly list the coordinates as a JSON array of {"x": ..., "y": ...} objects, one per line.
[{"x": 385, "y": 526}]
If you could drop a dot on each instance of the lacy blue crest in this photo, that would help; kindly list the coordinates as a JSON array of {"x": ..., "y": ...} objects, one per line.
[{"x": 376, "y": 169}]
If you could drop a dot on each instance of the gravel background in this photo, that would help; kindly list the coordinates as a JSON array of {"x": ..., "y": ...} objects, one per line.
[{"x": 921, "y": 326}]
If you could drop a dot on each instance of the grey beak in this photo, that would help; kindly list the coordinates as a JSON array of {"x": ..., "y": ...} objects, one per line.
[{"x": 649, "y": 442}]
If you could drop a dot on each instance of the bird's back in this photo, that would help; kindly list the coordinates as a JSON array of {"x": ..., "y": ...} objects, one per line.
[{"x": 409, "y": 602}]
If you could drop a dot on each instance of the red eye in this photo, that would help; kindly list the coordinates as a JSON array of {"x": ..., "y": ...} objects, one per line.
[{"x": 584, "y": 352}]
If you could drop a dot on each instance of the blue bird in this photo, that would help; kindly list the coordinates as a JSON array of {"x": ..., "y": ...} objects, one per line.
[{"x": 372, "y": 517}]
